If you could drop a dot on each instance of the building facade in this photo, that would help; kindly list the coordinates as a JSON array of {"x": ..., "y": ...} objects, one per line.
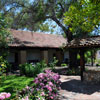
[{"x": 34, "y": 47}]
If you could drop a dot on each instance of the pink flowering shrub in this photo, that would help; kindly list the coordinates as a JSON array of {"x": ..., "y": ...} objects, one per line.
[
  {"x": 46, "y": 86},
  {"x": 49, "y": 83},
  {"x": 26, "y": 98},
  {"x": 4, "y": 95}
]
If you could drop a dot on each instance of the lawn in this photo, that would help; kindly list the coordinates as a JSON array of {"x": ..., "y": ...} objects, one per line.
[{"x": 13, "y": 83}]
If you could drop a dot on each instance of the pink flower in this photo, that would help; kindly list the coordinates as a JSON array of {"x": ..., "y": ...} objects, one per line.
[
  {"x": 42, "y": 94},
  {"x": 8, "y": 95},
  {"x": 27, "y": 87},
  {"x": 36, "y": 80},
  {"x": 50, "y": 83},
  {"x": 41, "y": 75},
  {"x": 4, "y": 95},
  {"x": 48, "y": 87},
  {"x": 51, "y": 97},
  {"x": 41, "y": 84},
  {"x": 26, "y": 98},
  {"x": 48, "y": 71}
]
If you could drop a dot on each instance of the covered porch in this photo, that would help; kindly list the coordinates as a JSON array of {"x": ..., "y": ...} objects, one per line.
[
  {"x": 82, "y": 45},
  {"x": 33, "y": 55}
]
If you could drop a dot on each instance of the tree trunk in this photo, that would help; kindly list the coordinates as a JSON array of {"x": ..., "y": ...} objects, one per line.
[
  {"x": 82, "y": 63},
  {"x": 73, "y": 62},
  {"x": 72, "y": 52}
]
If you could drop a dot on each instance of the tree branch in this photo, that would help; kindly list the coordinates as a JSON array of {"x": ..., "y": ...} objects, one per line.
[
  {"x": 67, "y": 31},
  {"x": 61, "y": 7},
  {"x": 59, "y": 23}
]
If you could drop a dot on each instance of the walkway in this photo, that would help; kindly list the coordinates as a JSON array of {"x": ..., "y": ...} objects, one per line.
[{"x": 74, "y": 89}]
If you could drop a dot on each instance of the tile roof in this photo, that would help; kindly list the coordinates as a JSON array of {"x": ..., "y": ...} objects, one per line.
[
  {"x": 33, "y": 39},
  {"x": 93, "y": 41}
]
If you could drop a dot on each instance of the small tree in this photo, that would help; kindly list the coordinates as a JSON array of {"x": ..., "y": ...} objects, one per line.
[
  {"x": 4, "y": 40},
  {"x": 4, "y": 35}
]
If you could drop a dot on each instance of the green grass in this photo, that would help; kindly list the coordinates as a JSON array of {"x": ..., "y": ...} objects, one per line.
[{"x": 13, "y": 83}]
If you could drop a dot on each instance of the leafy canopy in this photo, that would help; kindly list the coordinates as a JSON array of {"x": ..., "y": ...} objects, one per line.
[
  {"x": 83, "y": 15},
  {"x": 4, "y": 33},
  {"x": 31, "y": 14}
]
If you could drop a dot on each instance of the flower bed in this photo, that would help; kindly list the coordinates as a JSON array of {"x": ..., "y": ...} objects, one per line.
[
  {"x": 46, "y": 86},
  {"x": 92, "y": 77}
]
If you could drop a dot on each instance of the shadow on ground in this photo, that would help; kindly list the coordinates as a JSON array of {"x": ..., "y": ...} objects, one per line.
[{"x": 79, "y": 87}]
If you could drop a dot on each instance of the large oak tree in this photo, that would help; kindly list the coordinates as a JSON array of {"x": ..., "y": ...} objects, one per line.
[{"x": 31, "y": 13}]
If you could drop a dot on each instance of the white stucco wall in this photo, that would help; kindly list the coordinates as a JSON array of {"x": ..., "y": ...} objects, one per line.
[{"x": 33, "y": 55}]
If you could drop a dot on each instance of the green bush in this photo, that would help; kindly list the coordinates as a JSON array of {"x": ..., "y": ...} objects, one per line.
[
  {"x": 32, "y": 70},
  {"x": 4, "y": 65},
  {"x": 53, "y": 64},
  {"x": 71, "y": 72},
  {"x": 86, "y": 69},
  {"x": 97, "y": 64},
  {"x": 64, "y": 65}
]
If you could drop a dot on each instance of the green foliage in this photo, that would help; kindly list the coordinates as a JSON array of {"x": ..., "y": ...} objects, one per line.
[
  {"x": 32, "y": 70},
  {"x": 88, "y": 56},
  {"x": 97, "y": 65},
  {"x": 52, "y": 65},
  {"x": 46, "y": 27},
  {"x": 4, "y": 34},
  {"x": 31, "y": 14},
  {"x": 86, "y": 69},
  {"x": 97, "y": 62},
  {"x": 3, "y": 65},
  {"x": 78, "y": 56},
  {"x": 64, "y": 65},
  {"x": 83, "y": 15},
  {"x": 73, "y": 72},
  {"x": 14, "y": 83}
]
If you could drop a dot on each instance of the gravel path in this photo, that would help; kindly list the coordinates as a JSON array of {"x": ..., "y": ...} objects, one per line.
[{"x": 73, "y": 89}]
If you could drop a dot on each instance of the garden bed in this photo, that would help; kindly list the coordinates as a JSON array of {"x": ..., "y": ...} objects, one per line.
[
  {"x": 13, "y": 83},
  {"x": 92, "y": 76}
]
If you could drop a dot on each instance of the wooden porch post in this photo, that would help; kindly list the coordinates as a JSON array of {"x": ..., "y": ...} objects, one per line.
[
  {"x": 59, "y": 56},
  {"x": 22, "y": 57},
  {"x": 44, "y": 56},
  {"x": 82, "y": 63}
]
